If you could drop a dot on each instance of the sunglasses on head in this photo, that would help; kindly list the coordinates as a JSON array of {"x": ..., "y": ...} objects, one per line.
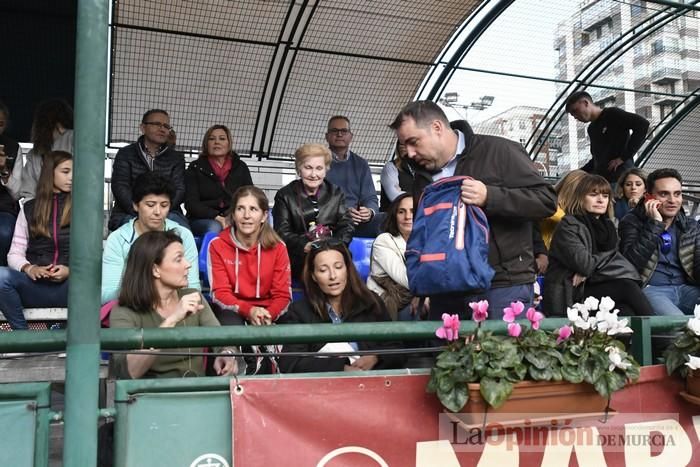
[
  {"x": 326, "y": 242},
  {"x": 665, "y": 242}
]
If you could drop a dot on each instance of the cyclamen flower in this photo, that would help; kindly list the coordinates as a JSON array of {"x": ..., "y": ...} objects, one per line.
[
  {"x": 564, "y": 333},
  {"x": 606, "y": 304},
  {"x": 694, "y": 363},
  {"x": 535, "y": 317},
  {"x": 480, "y": 310},
  {"x": 450, "y": 328},
  {"x": 591, "y": 303},
  {"x": 509, "y": 313},
  {"x": 514, "y": 329},
  {"x": 616, "y": 359},
  {"x": 694, "y": 325}
]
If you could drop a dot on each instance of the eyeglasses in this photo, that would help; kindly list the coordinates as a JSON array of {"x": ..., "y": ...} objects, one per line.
[
  {"x": 160, "y": 125},
  {"x": 326, "y": 242},
  {"x": 665, "y": 241},
  {"x": 338, "y": 131}
]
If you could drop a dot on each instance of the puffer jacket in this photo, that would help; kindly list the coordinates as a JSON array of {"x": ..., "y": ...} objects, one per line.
[
  {"x": 129, "y": 164},
  {"x": 292, "y": 210},
  {"x": 639, "y": 242},
  {"x": 44, "y": 250}
]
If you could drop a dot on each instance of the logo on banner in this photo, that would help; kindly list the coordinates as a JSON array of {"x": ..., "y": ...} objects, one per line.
[{"x": 209, "y": 460}]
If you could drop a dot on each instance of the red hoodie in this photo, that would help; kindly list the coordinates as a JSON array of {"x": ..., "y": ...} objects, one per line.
[{"x": 242, "y": 278}]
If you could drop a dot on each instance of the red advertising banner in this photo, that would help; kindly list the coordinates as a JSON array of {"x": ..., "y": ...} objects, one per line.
[{"x": 359, "y": 421}]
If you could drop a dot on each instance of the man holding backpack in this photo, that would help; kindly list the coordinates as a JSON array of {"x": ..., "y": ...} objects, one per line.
[{"x": 504, "y": 183}]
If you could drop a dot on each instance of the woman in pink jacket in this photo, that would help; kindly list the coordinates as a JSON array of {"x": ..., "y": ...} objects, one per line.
[{"x": 248, "y": 264}]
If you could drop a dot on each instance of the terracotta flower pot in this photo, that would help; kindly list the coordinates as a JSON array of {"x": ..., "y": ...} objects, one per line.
[
  {"x": 532, "y": 401},
  {"x": 692, "y": 383}
]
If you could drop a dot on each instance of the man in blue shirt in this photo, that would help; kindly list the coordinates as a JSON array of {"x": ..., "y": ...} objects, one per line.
[
  {"x": 352, "y": 174},
  {"x": 664, "y": 245}
]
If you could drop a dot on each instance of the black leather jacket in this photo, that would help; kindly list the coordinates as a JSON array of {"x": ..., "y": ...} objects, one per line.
[{"x": 293, "y": 211}]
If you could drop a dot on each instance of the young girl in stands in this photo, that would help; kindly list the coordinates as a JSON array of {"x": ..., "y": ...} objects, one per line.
[
  {"x": 37, "y": 276},
  {"x": 584, "y": 260},
  {"x": 248, "y": 265},
  {"x": 335, "y": 294}
]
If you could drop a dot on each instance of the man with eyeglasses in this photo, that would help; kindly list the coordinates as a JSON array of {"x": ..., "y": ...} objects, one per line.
[
  {"x": 352, "y": 174},
  {"x": 150, "y": 153},
  {"x": 664, "y": 245}
]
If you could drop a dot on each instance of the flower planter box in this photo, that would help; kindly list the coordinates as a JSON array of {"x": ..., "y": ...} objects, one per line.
[{"x": 533, "y": 402}]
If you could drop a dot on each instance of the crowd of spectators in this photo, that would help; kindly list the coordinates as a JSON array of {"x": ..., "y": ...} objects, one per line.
[{"x": 150, "y": 278}]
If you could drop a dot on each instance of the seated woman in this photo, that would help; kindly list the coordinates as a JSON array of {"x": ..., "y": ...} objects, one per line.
[
  {"x": 584, "y": 260},
  {"x": 396, "y": 178},
  {"x": 248, "y": 265},
  {"x": 335, "y": 294},
  {"x": 310, "y": 208},
  {"x": 38, "y": 259},
  {"x": 629, "y": 190},
  {"x": 154, "y": 295},
  {"x": 387, "y": 277},
  {"x": 211, "y": 180}
]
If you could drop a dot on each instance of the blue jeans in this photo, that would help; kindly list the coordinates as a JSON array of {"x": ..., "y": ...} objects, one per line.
[
  {"x": 7, "y": 229},
  {"x": 201, "y": 226},
  {"x": 670, "y": 300},
  {"x": 18, "y": 291},
  {"x": 498, "y": 298}
]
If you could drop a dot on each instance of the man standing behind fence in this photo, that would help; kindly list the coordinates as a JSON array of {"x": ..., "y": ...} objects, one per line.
[
  {"x": 615, "y": 135},
  {"x": 505, "y": 184}
]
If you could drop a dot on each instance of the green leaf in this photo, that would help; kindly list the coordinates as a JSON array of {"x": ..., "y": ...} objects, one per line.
[
  {"x": 571, "y": 374},
  {"x": 448, "y": 360},
  {"x": 496, "y": 391},
  {"x": 685, "y": 341},
  {"x": 609, "y": 382},
  {"x": 455, "y": 399},
  {"x": 576, "y": 350},
  {"x": 556, "y": 373},
  {"x": 491, "y": 346},
  {"x": 674, "y": 360},
  {"x": 445, "y": 384},
  {"x": 538, "y": 374},
  {"x": 463, "y": 375},
  {"x": 511, "y": 356},
  {"x": 539, "y": 360}
]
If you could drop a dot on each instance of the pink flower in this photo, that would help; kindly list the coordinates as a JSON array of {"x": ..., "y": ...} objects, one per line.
[
  {"x": 535, "y": 317},
  {"x": 514, "y": 329},
  {"x": 450, "y": 328},
  {"x": 564, "y": 333},
  {"x": 509, "y": 313},
  {"x": 480, "y": 310}
]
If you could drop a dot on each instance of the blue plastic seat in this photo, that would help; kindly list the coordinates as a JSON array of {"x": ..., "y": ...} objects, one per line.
[
  {"x": 361, "y": 249},
  {"x": 203, "y": 249}
]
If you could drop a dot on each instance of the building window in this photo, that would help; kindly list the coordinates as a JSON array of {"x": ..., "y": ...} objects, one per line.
[{"x": 657, "y": 47}]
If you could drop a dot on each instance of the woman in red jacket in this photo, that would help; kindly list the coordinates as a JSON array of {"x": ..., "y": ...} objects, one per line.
[{"x": 248, "y": 264}]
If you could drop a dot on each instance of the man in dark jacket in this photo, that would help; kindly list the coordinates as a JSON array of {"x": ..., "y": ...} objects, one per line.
[
  {"x": 664, "y": 245},
  {"x": 150, "y": 152},
  {"x": 615, "y": 135},
  {"x": 505, "y": 184}
]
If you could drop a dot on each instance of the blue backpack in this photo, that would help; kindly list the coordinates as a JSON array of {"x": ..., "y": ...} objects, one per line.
[{"x": 448, "y": 250}]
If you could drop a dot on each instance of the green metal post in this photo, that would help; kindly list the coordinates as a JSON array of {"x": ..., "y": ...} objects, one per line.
[
  {"x": 641, "y": 340},
  {"x": 83, "y": 347}
]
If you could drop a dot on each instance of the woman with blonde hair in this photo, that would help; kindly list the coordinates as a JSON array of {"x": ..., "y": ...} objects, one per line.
[
  {"x": 310, "y": 208},
  {"x": 629, "y": 190},
  {"x": 211, "y": 180}
]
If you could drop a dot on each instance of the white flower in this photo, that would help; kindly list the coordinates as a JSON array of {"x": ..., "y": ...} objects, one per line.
[
  {"x": 606, "y": 304},
  {"x": 696, "y": 311},
  {"x": 694, "y": 363},
  {"x": 591, "y": 303},
  {"x": 572, "y": 314},
  {"x": 616, "y": 359},
  {"x": 609, "y": 323},
  {"x": 694, "y": 326}
]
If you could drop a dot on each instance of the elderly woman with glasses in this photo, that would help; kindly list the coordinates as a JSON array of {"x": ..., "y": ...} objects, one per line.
[
  {"x": 310, "y": 208},
  {"x": 584, "y": 260},
  {"x": 335, "y": 294}
]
